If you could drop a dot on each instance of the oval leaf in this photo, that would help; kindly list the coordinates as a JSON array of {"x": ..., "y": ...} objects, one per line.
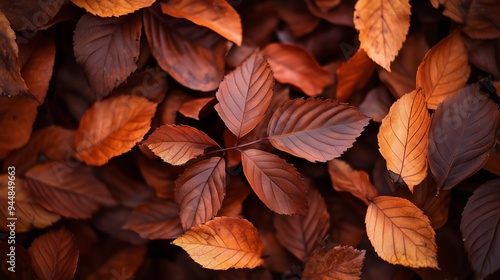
[
  {"x": 276, "y": 183},
  {"x": 112, "y": 127},
  {"x": 337, "y": 263},
  {"x": 353, "y": 74},
  {"x": 112, "y": 8},
  {"x": 245, "y": 94},
  {"x": 223, "y": 243},
  {"x": 401, "y": 233},
  {"x": 315, "y": 129}
]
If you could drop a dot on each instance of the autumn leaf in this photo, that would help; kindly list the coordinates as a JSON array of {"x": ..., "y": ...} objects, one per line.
[
  {"x": 401, "y": 233},
  {"x": 353, "y": 74},
  {"x": 223, "y": 243},
  {"x": 54, "y": 255},
  {"x": 276, "y": 183},
  {"x": 454, "y": 9},
  {"x": 29, "y": 15},
  {"x": 482, "y": 20},
  {"x": 237, "y": 191},
  {"x": 461, "y": 134},
  {"x": 112, "y": 127},
  {"x": 197, "y": 108},
  {"x": 217, "y": 15},
  {"x": 245, "y": 94},
  {"x": 122, "y": 264},
  {"x": 403, "y": 139},
  {"x": 444, "y": 69},
  {"x": 315, "y": 129},
  {"x": 112, "y": 8},
  {"x": 382, "y": 27},
  {"x": 339, "y": 262},
  {"x": 376, "y": 104},
  {"x": 177, "y": 144},
  {"x": 151, "y": 83}
]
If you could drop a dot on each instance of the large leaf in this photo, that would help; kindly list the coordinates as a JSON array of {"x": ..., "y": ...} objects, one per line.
[
  {"x": 462, "y": 133},
  {"x": 401, "y": 233},
  {"x": 112, "y": 8},
  {"x": 217, "y": 15},
  {"x": 200, "y": 190},
  {"x": 444, "y": 70},
  {"x": 223, "y": 243},
  {"x": 302, "y": 234},
  {"x": 245, "y": 94},
  {"x": 112, "y": 127},
  {"x": 177, "y": 144},
  {"x": 29, "y": 14},
  {"x": 315, "y": 129},
  {"x": 382, "y": 27},
  {"x": 480, "y": 228},
  {"x": 54, "y": 255},
  {"x": 403, "y": 139},
  {"x": 353, "y": 74},
  {"x": 276, "y": 183},
  {"x": 337, "y": 263}
]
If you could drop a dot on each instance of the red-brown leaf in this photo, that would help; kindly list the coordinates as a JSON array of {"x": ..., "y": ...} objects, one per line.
[
  {"x": 29, "y": 14},
  {"x": 353, "y": 74},
  {"x": 151, "y": 83},
  {"x": 122, "y": 265},
  {"x": 197, "y": 107},
  {"x": 337, "y": 263}
]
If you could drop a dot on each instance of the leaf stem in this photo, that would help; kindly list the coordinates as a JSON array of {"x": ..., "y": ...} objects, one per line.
[{"x": 237, "y": 146}]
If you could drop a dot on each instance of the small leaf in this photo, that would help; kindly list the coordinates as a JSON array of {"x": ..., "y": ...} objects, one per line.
[
  {"x": 112, "y": 127},
  {"x": 315, "y": 129},
  {"x": 54, "y": 255},
  {"x": 276, "y": 183},
  {"x": 401, "y": 233},
  {"x": 112, "y": 8},
  {"x": 337, "y": 263},
  {"x": 223, "y": 243},
  {"x": 245, "y": 94},
  {"x": 353, "y": 74},
  {"x": 177, "y": 144}
]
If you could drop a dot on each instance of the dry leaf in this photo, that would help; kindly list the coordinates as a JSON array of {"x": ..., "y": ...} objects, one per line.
[
  {"x": 401, "y": 233},
  {"x": 195, "y": 108},
  {"x": 353, "y": 74},
  {"x": 112, "y": 8},
  {"x": 337, "y": 263},
  {"x": 223, "y": 243},
  {"x": 29, "y": 14}
]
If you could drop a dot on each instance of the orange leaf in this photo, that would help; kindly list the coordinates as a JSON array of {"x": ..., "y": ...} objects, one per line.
[
  {"x": 344, "y": 178},
  {"x": 382, "y": 27},
  {"x": 112, "y": 127},
  {"x": 197, "y": 107},
  {"x": 403, "y": 139},
  {"x": 315, "y": 129},
  {"x": 444, "y": 69},
  {"x": 54, "y": 255},
  {"x": 294, "y": 65},
  {"x": 217, "y": 15},
  {"x": 177, "y": 144},
  {"x": 337, "y": 263},
  {"x": 353, "y": 74},
  {"x": 245, "y": 94},
  {"x": 29, "y": 15},
  {"x": 223, "y": 243},
  {"x": 401, "y": 233},
  {"x": 200, "y": 190},
  {"x": 112, "y": 8}
]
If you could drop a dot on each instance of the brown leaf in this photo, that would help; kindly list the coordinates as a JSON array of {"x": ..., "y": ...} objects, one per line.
[
  {"x": 108, "y": 49},
  {"x": 403, "y": 139},
  {"x": 335, "y": 11},
  {"x": 301, "y": 234},
  {"x": 159, "y": 175},
  {"x": 70, "y": 192},
  {"x": 353, "y": 74},
  {"x": 454, "y": 9},
  {"x": 356, "y": 182},
  {"x": 337, "y": 263},
  {"x": 112, "y": 8},
  {"x": 122, "y": 264},
  {"x": 461, "y": 135},
  {"x": 376, "y": 104},
  {"x": 315, "y": 129},
  {"x": 177, "y": 144},
  {"x": 294, "y": 65},
  {"x": 382, "y": 27},
  {"x": 28, "y": 14},
  {"x": 112, "y": 127},
  {"x": 151, "y": 83},
  {"x": 54, "y": 255},
  {"x": 444, "y": 69},
  {"x": 200, "y": 190},
  {"x": 401, "y": 233},
  {"x": 481, "y": 230},
  {"x": 436, "y": 207},
  {"x": 156, "y": 219},
  {"x": 196, "y": 107},
  {"x": 245, "y": 94},
  {"x": 483, "y": 20},
  {"x": 299, "y": 21},
  {"x": 223, "y": 243},
  {"x": 276, "y": 183},
  {"x": 217, "y": 15}
]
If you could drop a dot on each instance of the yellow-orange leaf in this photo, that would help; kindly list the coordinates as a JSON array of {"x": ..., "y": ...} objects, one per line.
[
  {"x": 444, "y": 70},
  {"x": 217, "y": 15},
  {"x": 403, "y": 139},
  {"x": 353, "y": 74},
  {"x": 401, "y": 233},
  {"x": 112, "y": 127},
  {"x": 112, "y": 8},
  {"x": 223, "y": 243},
  {"x": 382, "y": 27}
]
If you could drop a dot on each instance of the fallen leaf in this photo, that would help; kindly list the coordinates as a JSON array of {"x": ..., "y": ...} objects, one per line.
[
  {"x": 297, "y": 18},
  {"x": 28, "y": 14},
  {"x": 151, "y": 83},
  {"x": 353, "y": 74},
  {"x": 195, "y": 108},
  {"x": 337, "y": 263},
  {"x": 112, "y": 8}
]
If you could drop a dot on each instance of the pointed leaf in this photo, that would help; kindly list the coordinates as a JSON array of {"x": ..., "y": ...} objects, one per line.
[
  {"x": 315, "y": 129},
  {"x": 112, "y": 127},
  {"x": 177, "y": 144},
  {"x": 444, "y": 70},
  {"x": 245, "y": 94},
  {"x": 276, "y": 183},
  {"x": 461, "y": 135},
  {"x": 112, "y": 8},
  {"x": 337, "y": 263},
  {"x": 403, "y": 139},
  {"x": 382, "y": 27},
  {"x": 353, "y": 74},
  {"x": 223, "y": 243}
]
